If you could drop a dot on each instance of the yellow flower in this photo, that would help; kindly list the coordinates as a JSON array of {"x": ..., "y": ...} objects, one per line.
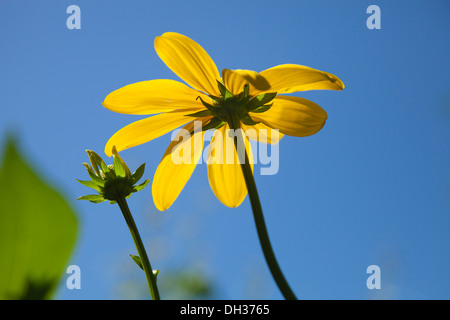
[{"x": 208, "y": 99}]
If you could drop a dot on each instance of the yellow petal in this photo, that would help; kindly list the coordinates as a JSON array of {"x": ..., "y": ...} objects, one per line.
[
  {"x": 224, "y": 169},
  {"x": 293, "y": 116},
  {"x": 177, "y": 165},
  {"x": 288, "y": 78},
  {"x": 262, "y": 133},
  {"x": 187, "y": 59},
  {"x": 144, "y": 130},
  {"x": 151, "y": 97},
  {"x": 234, "y": 81}
]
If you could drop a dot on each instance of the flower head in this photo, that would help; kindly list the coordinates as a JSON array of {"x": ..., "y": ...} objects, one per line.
[
  {"x": 237, "y": 99},
  {"x": 111, "y": 181}
]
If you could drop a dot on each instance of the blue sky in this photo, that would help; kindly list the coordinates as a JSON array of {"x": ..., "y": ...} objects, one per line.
[{"x": 372, "y": 187}]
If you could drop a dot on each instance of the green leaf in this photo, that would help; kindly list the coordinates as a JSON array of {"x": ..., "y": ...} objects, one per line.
[
  {"x": 38, "y": 230},
  {"x": 138, "y": 261}
]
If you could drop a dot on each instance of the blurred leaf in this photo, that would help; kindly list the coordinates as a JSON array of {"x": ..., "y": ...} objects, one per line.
[{"x": 37, "y": 231}]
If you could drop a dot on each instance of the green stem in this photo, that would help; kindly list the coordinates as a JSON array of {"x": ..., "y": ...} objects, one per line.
[
  {"x": 151, "y": 278},
  {"x": 259, "y": 218}
]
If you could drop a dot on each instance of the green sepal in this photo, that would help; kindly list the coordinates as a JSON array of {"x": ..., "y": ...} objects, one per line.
[
  {"x": 216, "y": 99},
  {"x": 263, "y": 108},
  {"x": 206, "y": 104},
  {"x": 246, "y": 90},
  {"x": 137, "y": 175},
  {"x": 90, "y": 184},
  {"x": 107, "y": 172},
  {"x": 95, "y": 198},
  {"x": 97, "y": 180},
  {"x": 243, "y": 96},
  {"x": 95, "y": 159},
  {"x": 247, "y": 120},
  {"x": 203, "y": 113},
  {"x": 141, "y": 186},
  {"x": 119, "y": 170},
  {"x": 214, "y": 123},
  {"x": 225, "y": 94},
  {"x": 261, "y": 99}
]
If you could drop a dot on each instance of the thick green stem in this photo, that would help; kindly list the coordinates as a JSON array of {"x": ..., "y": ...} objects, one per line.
[
  {"x": 259, "y": 217},
  {"x": 151, "y": 278}
]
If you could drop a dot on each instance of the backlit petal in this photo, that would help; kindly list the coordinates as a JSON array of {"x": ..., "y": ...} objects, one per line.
[
  {"x": 177, "y": 165},
  {"x": 293, "y": 116},
  {"x": 234, "y": 81},
  {"x": 262, "y": 133},
  {"x": 151, "y": 97},
  {"x": 187, "y": 59},
  {"x": 288, "y": 78},
  {"x": 224, "y": 169},
  {"x": 144, "y": 130}
]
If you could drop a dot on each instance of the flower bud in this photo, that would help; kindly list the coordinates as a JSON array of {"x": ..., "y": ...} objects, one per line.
[{"x": 111, "y": 181}]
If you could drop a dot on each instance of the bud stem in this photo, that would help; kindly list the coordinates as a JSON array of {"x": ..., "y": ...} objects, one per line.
[{"x": 151, "y": 279}]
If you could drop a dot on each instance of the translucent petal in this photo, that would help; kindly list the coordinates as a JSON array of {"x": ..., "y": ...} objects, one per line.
[
  {"x": 224, "y": 169},
  {"x": 151, "y": 97},
  {"x": 293, "y": 116},
  {"x": 187, "y": 59},
  {"x": 144, "y": 130},
  {"x": 288, "y": 78},
  {"x": 177, "y": 165}
]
